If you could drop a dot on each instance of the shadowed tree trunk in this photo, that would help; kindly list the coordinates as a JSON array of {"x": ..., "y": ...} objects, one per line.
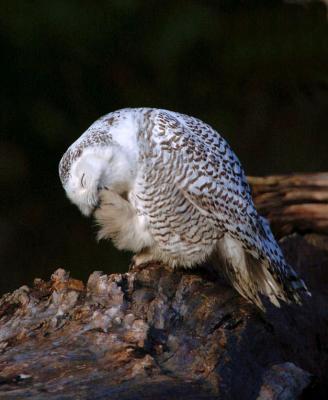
[{"x": 155, "y": 333}]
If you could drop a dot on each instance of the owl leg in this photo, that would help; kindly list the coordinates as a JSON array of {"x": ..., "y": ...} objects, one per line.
[
  {"x": 118, "y": 221},
  {"x": 114, "y": 216}
]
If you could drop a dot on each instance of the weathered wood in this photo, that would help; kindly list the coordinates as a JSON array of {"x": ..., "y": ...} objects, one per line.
[
  {"x": 155, "y": 333},
  {"x": 293, "y": 203}
]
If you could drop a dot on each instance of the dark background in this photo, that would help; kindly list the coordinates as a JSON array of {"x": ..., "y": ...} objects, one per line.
[{"x": 255, "y": 70}]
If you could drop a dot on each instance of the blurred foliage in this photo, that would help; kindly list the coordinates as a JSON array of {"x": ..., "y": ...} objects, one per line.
[{"x": 255, "y": 70}]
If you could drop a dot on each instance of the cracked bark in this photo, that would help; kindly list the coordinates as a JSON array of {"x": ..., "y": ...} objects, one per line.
[{"x": 158, "y": 333}]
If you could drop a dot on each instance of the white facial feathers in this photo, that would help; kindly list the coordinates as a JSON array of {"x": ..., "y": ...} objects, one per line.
[
  {"x": 96, "y": 168},
  {"x": 104, "y": 156},
  {"x": 84, "y": 179}
]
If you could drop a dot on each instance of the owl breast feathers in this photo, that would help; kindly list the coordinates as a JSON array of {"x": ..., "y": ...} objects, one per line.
[{"x": 168, "y": 187}]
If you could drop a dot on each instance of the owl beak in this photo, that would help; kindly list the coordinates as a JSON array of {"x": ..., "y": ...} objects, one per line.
[
  {"x": 95, "y": 208},
  {"x": 89, "y": 206}
]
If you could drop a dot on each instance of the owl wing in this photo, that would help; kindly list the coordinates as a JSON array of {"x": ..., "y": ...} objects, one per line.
[{"x": 210, "y": 176}]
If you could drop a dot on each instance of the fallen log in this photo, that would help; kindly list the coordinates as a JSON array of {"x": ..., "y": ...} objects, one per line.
[
  {"x": 163, "y": 334},
  {"x": 293, "y": 203}
]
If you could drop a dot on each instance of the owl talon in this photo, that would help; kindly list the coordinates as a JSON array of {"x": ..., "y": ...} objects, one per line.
[
  {"x": 140, "y": 261},
  {"x": 137, "y": 268}
]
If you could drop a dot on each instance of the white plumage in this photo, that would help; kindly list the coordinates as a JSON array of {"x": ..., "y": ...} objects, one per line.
[{"x": 168, "y": 187}]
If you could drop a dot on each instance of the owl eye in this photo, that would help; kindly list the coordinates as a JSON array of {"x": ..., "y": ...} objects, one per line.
[{"x": 83, "y": 180}]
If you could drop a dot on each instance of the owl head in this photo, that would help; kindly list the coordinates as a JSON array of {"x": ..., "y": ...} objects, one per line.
[{"x": 87, "y": 168}]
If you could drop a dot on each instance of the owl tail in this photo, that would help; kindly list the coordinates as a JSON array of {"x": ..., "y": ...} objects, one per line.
[{"x": 253, "y": 277}]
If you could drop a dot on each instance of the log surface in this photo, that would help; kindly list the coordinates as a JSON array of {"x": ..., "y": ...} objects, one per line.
[
  {"x": 155, "y": 333},
  {"x": 293, "y": 203}
]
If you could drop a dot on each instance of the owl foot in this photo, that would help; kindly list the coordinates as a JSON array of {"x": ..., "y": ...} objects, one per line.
[{"x": 140, "y": 261}]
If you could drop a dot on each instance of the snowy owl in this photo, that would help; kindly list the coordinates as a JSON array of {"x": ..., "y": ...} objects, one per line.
[{"x": 168, "y": 187}]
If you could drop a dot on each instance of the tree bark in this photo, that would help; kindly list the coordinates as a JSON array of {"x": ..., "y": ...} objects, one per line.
[
  {"x": 293, "y": 203},
  {"x": 157, "y": 333}
]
